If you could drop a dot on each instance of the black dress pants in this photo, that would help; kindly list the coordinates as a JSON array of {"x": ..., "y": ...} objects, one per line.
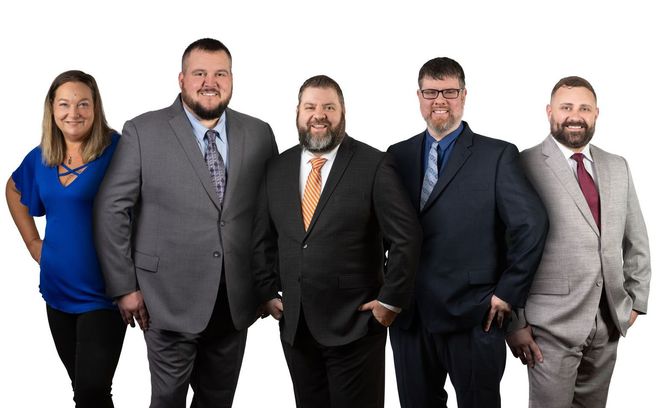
[
  {"x": 346, "y": 376},
  {"x": 89, "y": 345}
]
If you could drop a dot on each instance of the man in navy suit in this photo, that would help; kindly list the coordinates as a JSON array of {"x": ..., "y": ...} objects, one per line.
[{"x": 484, "y": 228}]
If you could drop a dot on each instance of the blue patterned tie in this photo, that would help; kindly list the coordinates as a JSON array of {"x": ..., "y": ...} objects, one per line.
[
  {"x": 216, "y": 164},
  {"x": 431, "y": 175}
]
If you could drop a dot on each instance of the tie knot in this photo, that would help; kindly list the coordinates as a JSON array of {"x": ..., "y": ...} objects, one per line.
[
  {"x": 578, "y": 157},
  {"x": 210, "y": 136},
  {"x": 317, "y": 162}
]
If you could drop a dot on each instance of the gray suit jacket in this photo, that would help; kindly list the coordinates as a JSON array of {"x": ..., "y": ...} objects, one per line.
[
  {"x": 159, "y": 226},
  {"x": 579, "y": 261}
]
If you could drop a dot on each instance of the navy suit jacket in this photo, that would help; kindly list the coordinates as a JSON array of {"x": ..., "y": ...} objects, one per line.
[{"x": 484, "y": 229}]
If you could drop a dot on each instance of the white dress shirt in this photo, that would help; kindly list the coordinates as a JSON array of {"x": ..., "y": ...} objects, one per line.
[
  {"x": 588, "y": 162},
  {"x": 306, "y": 166}
]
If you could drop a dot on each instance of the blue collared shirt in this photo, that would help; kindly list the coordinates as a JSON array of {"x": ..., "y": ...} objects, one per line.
[
  {"x": 199, "y": 131},
  {"x": 445, "y": 147}
]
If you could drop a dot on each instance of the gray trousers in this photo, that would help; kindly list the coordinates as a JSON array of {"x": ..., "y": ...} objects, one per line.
[
  {"x": 577, "y": 376},
  {"x": 209, "y": 362}
]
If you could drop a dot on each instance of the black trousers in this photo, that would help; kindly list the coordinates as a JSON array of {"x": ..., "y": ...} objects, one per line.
[
  {"x": 473, "y": 359},
  {"x": 210, "y": 361},
  {"x": 347, "y": 376},
  {"x": 89, "y": 345}
]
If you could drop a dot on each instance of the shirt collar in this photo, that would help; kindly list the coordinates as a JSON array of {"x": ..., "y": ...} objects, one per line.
[
  {"x": 200, "y": 130},
  {"x": 446, "y": 141},
  {"x": 586, "y": 150},
  {"x": 329, "y": 156}
]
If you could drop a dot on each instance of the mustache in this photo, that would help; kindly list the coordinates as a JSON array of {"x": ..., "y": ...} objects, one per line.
[
  {"x": 314, "y": 121},
  {"x": 568, "y": 122}
]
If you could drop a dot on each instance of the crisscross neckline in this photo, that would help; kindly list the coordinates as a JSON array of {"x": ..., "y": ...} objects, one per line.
[{"x": 66, "y": 178}]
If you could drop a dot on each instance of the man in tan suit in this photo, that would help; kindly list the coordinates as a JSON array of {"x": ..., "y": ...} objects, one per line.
[{"x": 593, "y": 280}]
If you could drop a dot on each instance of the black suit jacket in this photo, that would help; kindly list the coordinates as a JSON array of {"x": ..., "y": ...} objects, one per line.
[
  {"x": 339, "y": 262},
  {"x": 484, "y": 229}
]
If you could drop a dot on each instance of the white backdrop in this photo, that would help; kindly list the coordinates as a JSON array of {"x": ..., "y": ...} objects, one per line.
[{"x": 513, "y": 52}]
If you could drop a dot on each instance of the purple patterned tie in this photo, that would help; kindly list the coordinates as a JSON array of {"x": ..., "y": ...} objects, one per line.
[
  {"x": 588, "y": 187},
  {"x": 216, "y": 164}
]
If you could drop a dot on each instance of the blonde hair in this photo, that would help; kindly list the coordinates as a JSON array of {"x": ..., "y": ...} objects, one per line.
[{"x": 53, "y": 146}]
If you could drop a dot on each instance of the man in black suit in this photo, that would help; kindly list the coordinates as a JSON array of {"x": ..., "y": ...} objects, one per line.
[
  {"x": 330, "y": 208},
  {"x": 483, "y": 228}
]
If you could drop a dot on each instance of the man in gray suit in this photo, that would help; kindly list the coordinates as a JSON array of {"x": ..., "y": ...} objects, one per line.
[
  {"x": 173, "y": 222},
  {"x": 593, "y": 280}
]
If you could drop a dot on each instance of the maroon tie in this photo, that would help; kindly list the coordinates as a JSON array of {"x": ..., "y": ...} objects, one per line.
[{"x": 588, "y": 187}]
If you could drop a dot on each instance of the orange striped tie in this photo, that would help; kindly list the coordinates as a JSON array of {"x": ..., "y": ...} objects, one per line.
[{"x": 312, "y": 190}]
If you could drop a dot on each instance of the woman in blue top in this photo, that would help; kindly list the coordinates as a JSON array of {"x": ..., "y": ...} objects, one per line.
[{"x": 59, "y": 179}]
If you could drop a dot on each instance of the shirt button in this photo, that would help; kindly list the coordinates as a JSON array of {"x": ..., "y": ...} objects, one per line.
[
  {"x": 598, "y": 283},
  {"x": 216, "y": 254},
  {"x": 222, "y": 223}
]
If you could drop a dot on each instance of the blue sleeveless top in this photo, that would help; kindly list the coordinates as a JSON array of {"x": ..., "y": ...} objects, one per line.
[{"x": 70, "y": 279}]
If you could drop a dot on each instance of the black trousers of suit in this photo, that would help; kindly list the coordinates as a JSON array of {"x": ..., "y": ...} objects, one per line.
[
  {"x": 209, "y": 362},
  {"x": 89, "y": 345},
  {"x": 474, "y": 360},
  {"x": 347, "y": 376}
]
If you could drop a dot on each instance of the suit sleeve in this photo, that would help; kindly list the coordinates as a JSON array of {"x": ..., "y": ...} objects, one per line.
[
  {"x": 273, "y": 143},
  {"x": 402, "y": 234},
  {"x": 265, "y": 259},
  {"x": 636, "y": 253},
  {"x": 114, "y": 208},
  {"x": 526, "y": 223}
]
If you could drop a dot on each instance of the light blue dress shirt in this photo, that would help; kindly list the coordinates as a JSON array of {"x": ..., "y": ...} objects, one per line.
[{"x": 199, "y": 131}]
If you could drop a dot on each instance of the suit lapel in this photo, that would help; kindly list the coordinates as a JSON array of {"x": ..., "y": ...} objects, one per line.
[
  {"x": 236, "y": 149},
  {"x": 290, "y": 179},
  {"x": 603, "y": 182},
  {"x": 343, "y": 158},
  {"x": 414, "y": 174},
  {"x": 459, "y": 156},
  {"x": 556, "y": 161},
  {"x": 184, "y": 134}
]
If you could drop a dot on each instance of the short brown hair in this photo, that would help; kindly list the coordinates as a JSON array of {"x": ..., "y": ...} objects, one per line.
[
  {"x": 53, "y": 146},
  {"x": 573, "y": 82},
  {"x": 204, "y": 44},
  {"x": 322, "y": 81},
  {"x": 441, "y": 68}
]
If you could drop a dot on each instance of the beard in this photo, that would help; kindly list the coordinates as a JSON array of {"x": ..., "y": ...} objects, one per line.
[
  {"x": 323, "y": 143},
  {"x": 572, "y": 138},
  {"x": 202, "y": 112},
  {"x": 442, "y": 128}
]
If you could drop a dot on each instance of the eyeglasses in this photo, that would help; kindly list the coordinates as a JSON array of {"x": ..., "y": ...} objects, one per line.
[{"x": 451, "y": 93}]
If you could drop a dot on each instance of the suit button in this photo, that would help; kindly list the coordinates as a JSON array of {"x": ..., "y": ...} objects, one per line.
[
  {"x": 216, "y": 254},
  {"x": 222, "y": 223},
  {"x": 305, "y": 246}
]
